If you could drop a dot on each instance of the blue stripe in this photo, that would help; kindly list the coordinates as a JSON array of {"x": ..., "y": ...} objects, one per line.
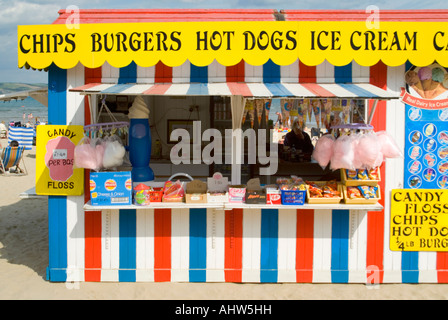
[
  {"x": 269, "y": 245},
  {"x": 127, "y": 245},
  {"x": 409, "y": 260},
  {"x": 409, "y": 267},
  {"x": 57, "y": 95},
  {"x": 271, "y": 72},
  {"x": 57, "y": 205},
  {"x": 358, "y": 91},
  {"x": 198, "y": 245},
  {"x": 339, "y": 246},
  {"x": 57, "y": 238},
  {"x": 128, "y": 74},
  {"x": 198, "y": 74},
  {"x": 343, "y": 74},
  {"x": 197, "y": 89},
  {"x": 278, "y": 90},
  {"x": 119, "y": 88}
]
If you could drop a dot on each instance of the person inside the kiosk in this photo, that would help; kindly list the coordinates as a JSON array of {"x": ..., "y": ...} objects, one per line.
[{"x": 298, "y": 139}]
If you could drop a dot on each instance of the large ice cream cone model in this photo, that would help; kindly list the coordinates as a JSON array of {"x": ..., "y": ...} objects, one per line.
[{"x": 140, "y": 141}]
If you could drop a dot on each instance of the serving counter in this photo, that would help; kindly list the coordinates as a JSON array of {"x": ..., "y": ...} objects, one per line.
[{"x": 227, "y": 242}]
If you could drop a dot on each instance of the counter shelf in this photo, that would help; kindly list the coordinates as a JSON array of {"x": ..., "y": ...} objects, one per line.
[{"x": 230, "y": 206}]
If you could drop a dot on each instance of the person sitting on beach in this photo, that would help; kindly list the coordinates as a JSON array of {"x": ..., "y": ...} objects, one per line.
[{"x": 14, "y": 143}]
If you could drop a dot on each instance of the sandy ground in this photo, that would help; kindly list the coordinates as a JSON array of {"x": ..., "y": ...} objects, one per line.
[{"x": 24, "y": 258}]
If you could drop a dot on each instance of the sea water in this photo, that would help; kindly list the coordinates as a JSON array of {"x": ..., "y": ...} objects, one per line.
[{"x": 19, "y": 110}]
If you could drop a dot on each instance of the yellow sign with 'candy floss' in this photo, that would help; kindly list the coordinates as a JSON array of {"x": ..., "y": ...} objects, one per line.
[{"x": 56, "y": 173}]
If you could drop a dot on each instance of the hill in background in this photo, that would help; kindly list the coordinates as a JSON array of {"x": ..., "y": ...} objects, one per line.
[{"x": 8, "y": 87}]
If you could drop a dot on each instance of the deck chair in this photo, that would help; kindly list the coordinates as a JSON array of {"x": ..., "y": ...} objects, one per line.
[{"x": 12, "y": 157}]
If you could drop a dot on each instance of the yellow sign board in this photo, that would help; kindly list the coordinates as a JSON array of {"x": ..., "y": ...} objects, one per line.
[
  {"x": 419, "y": 220},
  {"x": 228, "y": 42},
  {"x": 55, "y": 171}
]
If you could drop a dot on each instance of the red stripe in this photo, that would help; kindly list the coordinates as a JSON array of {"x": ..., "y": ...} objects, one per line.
[
  {"x": 233, "y": 250},
  {"x": 318, "y": 90},
  {"x": 162, "y": 15},
  {"x": 93, "y": 75},
  {"x": 163, "y": 73},
  {"x": 239, "y": 89},
  {"x": 157, "y": 89},
  {"x": 162, "y": 245},
  {"x": 307, "y": 74},
  {"x": 85, "y": 87},
  {"x": 375, "y": 220},
  {"x": 92, "y": 220},
  {"x": 442, "y": 267},
  {"x": 92, "y": 256},
  {"x": 236, "y": 73},
  {"x": 363, "y": 15},
  {"x": 304, "y": 245}
]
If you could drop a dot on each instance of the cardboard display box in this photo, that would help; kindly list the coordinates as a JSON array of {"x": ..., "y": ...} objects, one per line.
[
  {"x": 237, "y": 194},
  {"x": 110, "y": 188},
  {"x": 217, "y": 189},
  {"x": 255, "y": 194},
  {"x": 196, "y": 192}
]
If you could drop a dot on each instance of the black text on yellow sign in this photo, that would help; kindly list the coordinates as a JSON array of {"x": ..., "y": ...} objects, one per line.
[
  {"x": 255, "y": 42},
  {"x": 419, "y": 220}
]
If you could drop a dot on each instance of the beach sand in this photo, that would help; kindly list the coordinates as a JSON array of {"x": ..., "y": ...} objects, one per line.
[{"x": 24, "y": 258}]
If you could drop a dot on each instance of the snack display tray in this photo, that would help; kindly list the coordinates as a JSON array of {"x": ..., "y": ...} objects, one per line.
[
  {"x": 361, "y": 201},
  {"x": 352, "y": 183},
  {"x": 230, "y": 206},
  {"x": 333, "y": 200}
]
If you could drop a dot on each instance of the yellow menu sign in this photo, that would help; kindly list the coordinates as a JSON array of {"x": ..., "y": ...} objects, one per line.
[
  {"x": 419, "y": 220},
  {"x": 229, "y": 42},
  {"x": 55, "y": 150}
]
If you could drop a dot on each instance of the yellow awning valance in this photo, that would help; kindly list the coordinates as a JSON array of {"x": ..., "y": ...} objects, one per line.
[{"x": 255, "y": 42}]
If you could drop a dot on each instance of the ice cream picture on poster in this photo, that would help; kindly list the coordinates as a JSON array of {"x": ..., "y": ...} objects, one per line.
[
  {"x": 430, "y": 82},
  {"x": 56, "y": 173}
]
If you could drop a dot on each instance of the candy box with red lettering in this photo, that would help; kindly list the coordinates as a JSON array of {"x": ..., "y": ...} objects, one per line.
[
  {"x": 273, "y": 195},
  {"x": 110, "y": 188},
  {"x": 237, "y": 193}
]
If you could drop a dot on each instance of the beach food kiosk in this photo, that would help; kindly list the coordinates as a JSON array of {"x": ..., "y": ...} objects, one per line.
[{"x": 162, "y": 70}]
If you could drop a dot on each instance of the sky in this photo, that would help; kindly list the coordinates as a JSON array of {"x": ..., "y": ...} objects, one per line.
[{"x": 37, "y": 12}]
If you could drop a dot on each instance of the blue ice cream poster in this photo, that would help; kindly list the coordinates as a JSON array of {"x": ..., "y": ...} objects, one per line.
[{"x": 426, "y": 148}]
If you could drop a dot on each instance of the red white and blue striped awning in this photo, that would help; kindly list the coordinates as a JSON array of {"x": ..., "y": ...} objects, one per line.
[{"x": 248, "y": 90}]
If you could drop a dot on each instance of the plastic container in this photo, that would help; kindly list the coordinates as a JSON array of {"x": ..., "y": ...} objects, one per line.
[{"x": 293, "y": 197}]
